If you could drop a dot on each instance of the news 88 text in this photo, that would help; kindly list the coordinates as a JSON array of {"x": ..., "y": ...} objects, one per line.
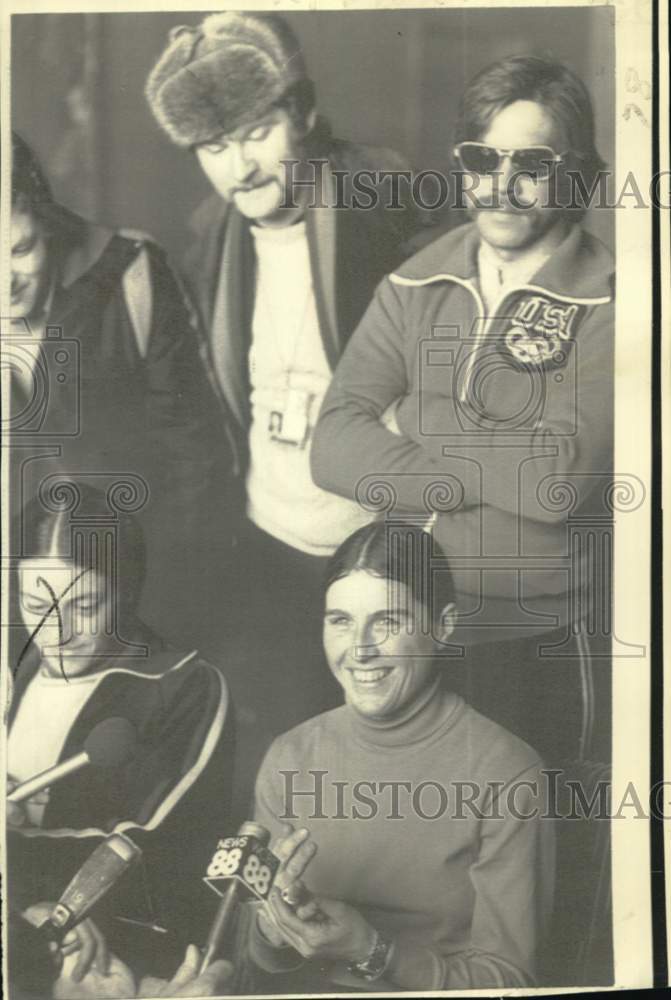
[{"x": 245, "y": 859}]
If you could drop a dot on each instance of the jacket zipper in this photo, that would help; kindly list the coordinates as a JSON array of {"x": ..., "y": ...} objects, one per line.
[{"x": 486, "y": 321}]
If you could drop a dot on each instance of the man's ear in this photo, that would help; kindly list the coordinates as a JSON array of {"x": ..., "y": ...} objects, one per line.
[{"x": 447, "y": 622}]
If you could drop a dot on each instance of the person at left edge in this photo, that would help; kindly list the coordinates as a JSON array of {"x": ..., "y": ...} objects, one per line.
[
  {"x": 132, "y": 395},
  {"x": 87, "y": 657}
]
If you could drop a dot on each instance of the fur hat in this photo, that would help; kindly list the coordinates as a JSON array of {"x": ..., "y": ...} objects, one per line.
[{"x": 226, "y": 72}]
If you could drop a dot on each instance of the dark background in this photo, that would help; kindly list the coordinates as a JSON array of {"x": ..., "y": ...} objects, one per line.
[{"x": 389, "y": 78}]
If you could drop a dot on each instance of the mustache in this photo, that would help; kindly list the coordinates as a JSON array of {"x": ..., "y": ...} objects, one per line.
[
  {"x": 258, "y": 182},
  {"x": 504, "y": 207}
]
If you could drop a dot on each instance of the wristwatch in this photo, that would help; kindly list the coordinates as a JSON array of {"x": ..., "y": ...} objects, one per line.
[{"x": 376, "y": 963}]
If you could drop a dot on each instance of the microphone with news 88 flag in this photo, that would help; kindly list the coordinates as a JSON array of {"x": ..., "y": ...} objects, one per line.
[
  {"x": 99, "y": 873},
  {"x": 242, "y": 866}
]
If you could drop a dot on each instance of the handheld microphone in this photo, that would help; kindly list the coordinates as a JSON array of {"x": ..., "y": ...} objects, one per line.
[
  {"x": 109, "y": 744},
  {"x": 101, "y": 870},
  {"x": 248, "y": 867}
]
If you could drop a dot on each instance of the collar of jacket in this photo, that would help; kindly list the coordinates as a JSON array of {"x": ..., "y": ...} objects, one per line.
[
  {"x": 227, "y": 287},
  {"x": 157, "y": 661},
  {"x": 79, "y": 244},
  {"x": 581, "y": 269}
]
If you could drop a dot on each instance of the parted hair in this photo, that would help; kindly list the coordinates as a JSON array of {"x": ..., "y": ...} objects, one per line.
[
  {"x": 45, "y": 529},
  {"x": 401, "y": 553}
]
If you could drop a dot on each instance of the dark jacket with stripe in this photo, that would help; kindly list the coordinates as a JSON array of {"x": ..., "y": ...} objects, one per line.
[
  {"x": 172, "y": 799},
  {"x": 120, "y": 386}
]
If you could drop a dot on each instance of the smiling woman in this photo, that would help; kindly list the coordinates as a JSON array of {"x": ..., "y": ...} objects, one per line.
[
  {"x": 376, "y": 884},
  {"x": 382, "y": 625}
]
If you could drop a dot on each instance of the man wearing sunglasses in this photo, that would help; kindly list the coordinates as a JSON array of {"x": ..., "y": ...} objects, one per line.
[{"x": 478, "y": 387}]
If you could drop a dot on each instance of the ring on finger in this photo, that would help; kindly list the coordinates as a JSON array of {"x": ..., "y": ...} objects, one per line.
[{"x": 288, "y": 897}]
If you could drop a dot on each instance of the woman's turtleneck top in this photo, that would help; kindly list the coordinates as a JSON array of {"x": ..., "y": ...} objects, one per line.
[
  {"x": 417, "y": 722},
  {"x": 418, "y": 824}
]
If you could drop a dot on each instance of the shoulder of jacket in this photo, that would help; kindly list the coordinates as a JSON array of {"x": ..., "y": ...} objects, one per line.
[
  {"x": 138, "y": 236},
  {"x": 443, "y": 255},
  {"x": 164, "y": 662},
  {"x": 600, "y": 260},
  {"x": 188, "y": 680},
  {"x": 149, "y": 249},
  {"x": 212, "y": 211},
  {"x": 185, "y": 665},
  {"x": 597, "y": 249}
]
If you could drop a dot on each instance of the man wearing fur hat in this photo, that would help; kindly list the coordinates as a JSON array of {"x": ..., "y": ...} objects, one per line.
[{"x": 281, "y": 279}]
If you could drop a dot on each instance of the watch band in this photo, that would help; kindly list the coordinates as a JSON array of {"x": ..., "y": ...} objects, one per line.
[{"x": 376, "y": 962}]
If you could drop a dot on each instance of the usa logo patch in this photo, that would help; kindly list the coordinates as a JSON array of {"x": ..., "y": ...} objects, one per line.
[{"x": 541, "y": 330}]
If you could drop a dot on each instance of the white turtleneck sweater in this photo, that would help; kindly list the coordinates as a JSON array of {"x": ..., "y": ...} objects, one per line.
[
  {"x": 43, "y": 720},
  {"x": 289, "y": 375}
]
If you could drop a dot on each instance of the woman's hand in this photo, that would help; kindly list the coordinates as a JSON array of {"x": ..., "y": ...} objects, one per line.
[
  {"x": 16, "y": 811},
  {"x": 295, "y": 851},
  {"x": 323, "y": 928},
  {"x": 85, "y": 938},
  {"x": 16, "y": 815},
  {"x": 116, "y": 983},
  {"x": 187, "y": 982}
]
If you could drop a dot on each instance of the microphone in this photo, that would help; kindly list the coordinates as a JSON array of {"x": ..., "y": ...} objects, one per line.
[
  {"x": 101, "y": 870},
  {"x": 245, "y": 862},
  {"x": 109, "y": 744}
]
